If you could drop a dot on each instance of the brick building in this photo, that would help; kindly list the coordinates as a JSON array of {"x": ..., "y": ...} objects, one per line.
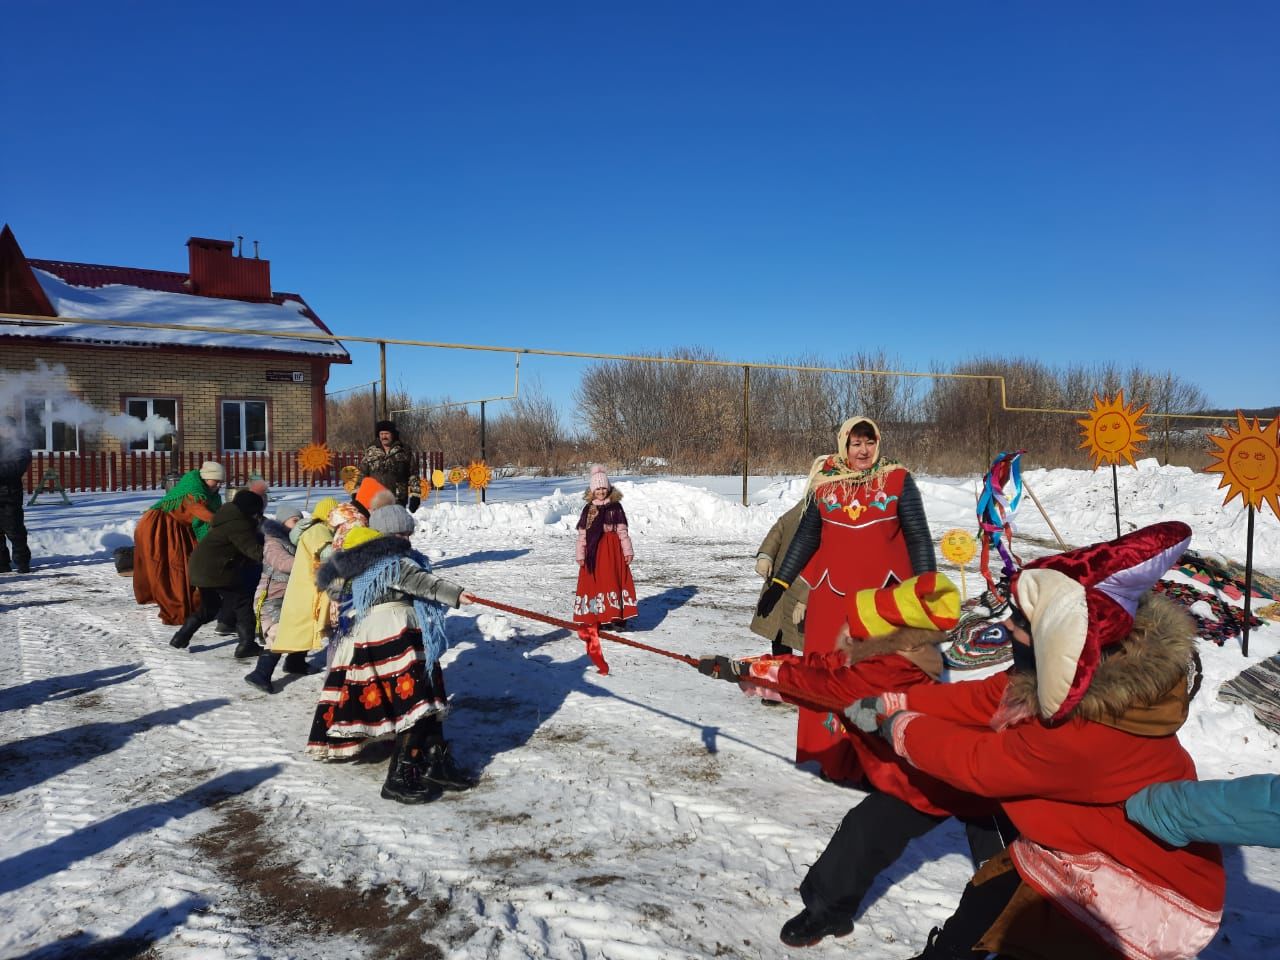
[{"x": 223, "y": 392}]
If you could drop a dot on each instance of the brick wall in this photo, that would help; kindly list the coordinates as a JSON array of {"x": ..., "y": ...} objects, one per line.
[{"x": 102, "y": 376}]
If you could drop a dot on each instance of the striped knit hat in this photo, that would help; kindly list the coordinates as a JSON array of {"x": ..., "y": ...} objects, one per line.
[{"x": 929, "y": 602}]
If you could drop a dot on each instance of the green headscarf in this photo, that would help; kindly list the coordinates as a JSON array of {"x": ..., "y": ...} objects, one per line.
[{"x": 191, "y": 484}]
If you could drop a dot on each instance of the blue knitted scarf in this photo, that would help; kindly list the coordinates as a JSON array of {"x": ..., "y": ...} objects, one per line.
[{"x": 375, "y": 582}]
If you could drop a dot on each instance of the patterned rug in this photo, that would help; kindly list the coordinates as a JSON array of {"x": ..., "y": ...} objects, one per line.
[{"x": 1258, "y": 688}]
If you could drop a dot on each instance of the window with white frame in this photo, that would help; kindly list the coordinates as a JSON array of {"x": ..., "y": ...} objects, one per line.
[
  {"x": 244, "y": 425},
  {"x": 144, "y": 407},
  {"x": 46, "y": 434}
]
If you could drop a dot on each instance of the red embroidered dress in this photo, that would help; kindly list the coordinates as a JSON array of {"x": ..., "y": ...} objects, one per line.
[
  {"x": 605, "y": 591},
  {"x": 862, "y": 547}
]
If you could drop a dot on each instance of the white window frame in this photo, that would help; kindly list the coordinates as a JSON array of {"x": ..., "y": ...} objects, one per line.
[
  {"x": 46, "y": 441},
  {"x": 151, "y": 409},
  {"x": 266, "y": 419}
]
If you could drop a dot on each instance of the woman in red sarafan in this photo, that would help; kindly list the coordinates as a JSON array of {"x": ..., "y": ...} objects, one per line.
[
  {"x": 864, "y": 527},
  {"x": 606, "y": 595}
]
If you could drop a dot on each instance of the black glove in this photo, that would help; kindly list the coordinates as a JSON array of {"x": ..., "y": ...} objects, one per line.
[
  {"x": 769, "y": 599},
  {"x": 722, "y": 668},
  {"x": 414, "y": 504}
]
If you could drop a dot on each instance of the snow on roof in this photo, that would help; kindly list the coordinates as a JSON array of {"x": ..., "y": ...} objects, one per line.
[{"x": 118, "y": 301}]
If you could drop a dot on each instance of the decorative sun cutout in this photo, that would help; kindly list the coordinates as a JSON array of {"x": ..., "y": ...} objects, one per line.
[
  {"x": 437, "y": 479},
  {"x": 314, "y": 457},
  {"x": 958, "y": 546},
  {"x": 478, "y": 474},
  {"x": 350, "y": 476},
  {"x": 1249, "y": 461},
  {"x": 457, "y": 475},
  {"x": 1112, "y": 430}
]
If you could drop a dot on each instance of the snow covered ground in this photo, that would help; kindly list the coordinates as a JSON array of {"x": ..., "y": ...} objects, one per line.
[{"x": 154, "y": 805}]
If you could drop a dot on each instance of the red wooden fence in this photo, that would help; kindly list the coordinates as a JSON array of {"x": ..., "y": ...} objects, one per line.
[{"x": 143, "y": 470}]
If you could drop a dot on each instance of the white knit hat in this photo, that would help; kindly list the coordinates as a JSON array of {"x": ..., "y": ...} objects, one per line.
[
  {"x": 599, "y": 479},
  {"x": 212, "y": 470}
]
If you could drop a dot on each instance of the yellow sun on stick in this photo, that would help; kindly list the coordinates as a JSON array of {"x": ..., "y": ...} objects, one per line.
[
  {"x": 349, "y": 475},
  {"x": 479, "y": 474},
  {"x": 1249, "y": 460},
  {"x": 1112, "y": 430},
  {"x": 312, "y": 459}
]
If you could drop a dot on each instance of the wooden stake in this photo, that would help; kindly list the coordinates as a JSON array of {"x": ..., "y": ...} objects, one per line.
[
  {"x": 1248, "y": 582},
  {"x": 1039, "y": 506}
]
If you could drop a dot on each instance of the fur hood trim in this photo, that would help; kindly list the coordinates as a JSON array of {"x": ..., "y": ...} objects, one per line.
[
  {"x": 349, "y": 564},
  {"x": 276, "y": 529},
  {"x": 1146, "y": 668},
  {"x": 918, "y": 645},
  {"x": 615, "y": 495}
]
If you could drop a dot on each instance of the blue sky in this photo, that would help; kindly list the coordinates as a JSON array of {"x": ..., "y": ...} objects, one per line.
[{"x": 1075, "y": 182}]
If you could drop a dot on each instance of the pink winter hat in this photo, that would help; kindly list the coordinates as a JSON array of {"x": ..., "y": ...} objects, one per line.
[{"x": 599, "y": 479}]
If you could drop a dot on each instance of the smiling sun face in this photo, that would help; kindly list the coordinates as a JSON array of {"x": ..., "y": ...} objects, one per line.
[
  {"x": 1249, "y": 461},
  {"x": 1112, "y": 431}
]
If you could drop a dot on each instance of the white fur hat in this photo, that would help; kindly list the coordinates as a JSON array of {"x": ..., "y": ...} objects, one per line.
[{"x": 212, "y": 470}]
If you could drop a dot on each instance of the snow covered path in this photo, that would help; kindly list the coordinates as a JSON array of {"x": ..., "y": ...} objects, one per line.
[{"x": 157, "y": 806}]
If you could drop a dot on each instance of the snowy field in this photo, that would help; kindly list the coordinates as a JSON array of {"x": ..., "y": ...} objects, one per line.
[{"x": 156, "y": 806}]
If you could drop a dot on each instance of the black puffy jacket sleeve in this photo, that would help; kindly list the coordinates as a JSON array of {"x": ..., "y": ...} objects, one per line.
[
  {"x": 803, "y": 545},
  {"x": 915, "y": 528}
]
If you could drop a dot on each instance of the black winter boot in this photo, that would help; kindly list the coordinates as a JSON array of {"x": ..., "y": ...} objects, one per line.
[
  {"x": 441, "y": 769},
  {"x": 937, "y": 949},
  {"x": 260, "y": 676},
  {"x": 297, "y": 663},
  {"x": 404, "y": 783},
  {"x": 247, "y": 647},
  {"x": 182, "y": 638},
  {"x": 806, "y": 928}
]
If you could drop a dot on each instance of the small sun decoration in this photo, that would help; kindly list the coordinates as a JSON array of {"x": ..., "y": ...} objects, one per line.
[
  {"x": 1249, "y": 461},
  {"x": 457, "y": 475},
  {"x": 958, "y": 546},
  {"x": 438, "y": 479},
  {"x": 350, "y": 476},
  {"x": 314, "y": 457},
  {"x": 478, "y": 474},
  {"x": 1112, "y": 430}
]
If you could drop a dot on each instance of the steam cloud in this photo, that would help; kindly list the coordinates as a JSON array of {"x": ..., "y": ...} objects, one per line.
[{"x": 46, "y": 382}]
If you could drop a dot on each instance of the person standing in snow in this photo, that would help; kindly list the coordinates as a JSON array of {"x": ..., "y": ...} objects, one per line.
[
  {"x": 165, "y": 537},
  {"x": 1088, "y": 716},
  {"x": 278, "y": 551},
  {"x": 863, "y": 527},
  {"x": 782, "y": 627},
  {"x": 606, "y": 594},
  {"x": 390, "y": 462},
  {"x": 386, "y": 679},
  {"x": 217, "y": 568},
  {"x": 15, "y": 458}
]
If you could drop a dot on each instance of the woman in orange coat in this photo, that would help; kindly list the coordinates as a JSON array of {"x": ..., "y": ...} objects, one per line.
[{"x": 165, "y": 537}]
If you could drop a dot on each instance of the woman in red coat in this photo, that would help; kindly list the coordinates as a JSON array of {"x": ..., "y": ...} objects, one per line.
[
  {"x": 1087, "y": 716},
  {"x": 864, "y": 528}
]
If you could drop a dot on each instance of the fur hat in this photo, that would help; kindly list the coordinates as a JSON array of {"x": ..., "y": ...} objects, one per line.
[
  {"x": 359, "y": 535},
  {"x": 324, "y": 508},
  {"x": 369, "y": 489},
  {"x": 599, "y": 479},
  {"x": 929, "y": 602},
  {"x": 212, "y": 470},
  {"x": 388, "y": 425},
  {"x": 287, "y": 511},
  {"x": 1083, "y": 601},
  {"x": 392, "y": 519},
  {"x": 248, "y": 503}
]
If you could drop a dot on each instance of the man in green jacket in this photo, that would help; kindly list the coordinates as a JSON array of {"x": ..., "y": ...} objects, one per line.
[{"x": 218, "y": 569}]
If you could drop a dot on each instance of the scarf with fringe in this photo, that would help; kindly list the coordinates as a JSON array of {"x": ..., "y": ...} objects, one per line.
[
  {"x": 190, "y": 485},
  {"x": 378, "y": 580}
]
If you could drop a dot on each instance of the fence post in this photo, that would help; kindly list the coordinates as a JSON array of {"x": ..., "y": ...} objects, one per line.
[{"x": 746, "y": 427}]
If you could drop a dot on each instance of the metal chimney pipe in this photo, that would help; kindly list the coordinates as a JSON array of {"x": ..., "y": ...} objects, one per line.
[
  {"x": 255, "y": 249},
  {"x": 240, "y": 251}
]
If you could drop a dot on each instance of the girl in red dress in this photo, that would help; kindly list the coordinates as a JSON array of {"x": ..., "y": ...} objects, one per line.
[{"x": 606, "y": 595}]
